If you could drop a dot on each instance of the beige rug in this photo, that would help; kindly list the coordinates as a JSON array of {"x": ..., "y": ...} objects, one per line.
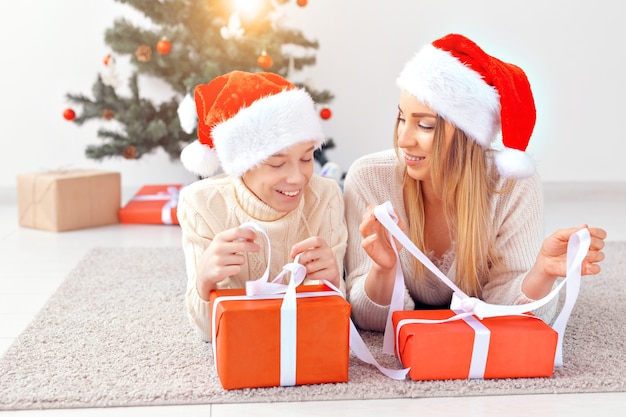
[{"x": 115, "y": 334}]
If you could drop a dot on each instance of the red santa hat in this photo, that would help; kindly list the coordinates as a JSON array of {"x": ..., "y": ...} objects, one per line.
[
  {"x": 244, "y": 118},
  {"x": 479, "y": 94}
]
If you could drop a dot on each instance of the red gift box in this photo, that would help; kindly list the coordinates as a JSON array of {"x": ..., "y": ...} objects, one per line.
[
  {"x": 495, "y": 347},
  {"x": 152, "y": 204},
  {"x": 247, "y": 337}
]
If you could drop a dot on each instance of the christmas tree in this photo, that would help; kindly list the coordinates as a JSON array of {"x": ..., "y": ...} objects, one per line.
[{"x": 188, "y": 42}]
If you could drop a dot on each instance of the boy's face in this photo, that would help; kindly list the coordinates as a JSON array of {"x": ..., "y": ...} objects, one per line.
[{"x": 280, "y": 180}]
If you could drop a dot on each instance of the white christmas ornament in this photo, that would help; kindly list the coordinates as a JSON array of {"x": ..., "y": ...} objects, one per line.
[
  {"x": 111, "y": 78},
  {"x": 277, "y": 15},
  {"x": 234, "y": 29},
  {"x": 187, "y": 115}
]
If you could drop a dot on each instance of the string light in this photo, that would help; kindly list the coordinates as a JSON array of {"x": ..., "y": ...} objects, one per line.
[{"x": 249, "y": 7}]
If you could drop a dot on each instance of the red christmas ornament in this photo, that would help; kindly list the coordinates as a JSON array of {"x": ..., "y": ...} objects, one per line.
[
  {"x": 108, "y": 114},
  {"x": 265, "y": 61},
  {"x": 302, "y": 3},
  {"x": 325, "y": 113},
  {"x": 164, "y": 46},
  {"x": 69, "y": 114},
  {"x": 130, "y": 152}
]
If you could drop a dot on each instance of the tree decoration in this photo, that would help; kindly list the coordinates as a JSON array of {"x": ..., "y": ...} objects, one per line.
[
  {"x": 130, "y": 152},
  {"x": 69, "y": 114},
  {"x": 265, "y": 61},
  {"x": 108, "y": 114},
  {"x": 326, "y": 113},
  {"x": 110, "y": 76},
  {"x": 329, "y": 169},
  {"x": 143, "y": 53},
  {"x": 234, "y": 29},
  {"x": 164, "y": 46}
]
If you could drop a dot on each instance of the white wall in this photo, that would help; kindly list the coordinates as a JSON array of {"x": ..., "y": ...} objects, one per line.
[{"x": 572, "y": 51}]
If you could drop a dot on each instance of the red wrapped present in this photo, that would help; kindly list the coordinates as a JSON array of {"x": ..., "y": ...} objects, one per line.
[
  {"x": 495, "y": 347},
  {"x": 276, "y": 334},
  {"x": 250, "y": 349},
  {"x": 152, "y": 204}
]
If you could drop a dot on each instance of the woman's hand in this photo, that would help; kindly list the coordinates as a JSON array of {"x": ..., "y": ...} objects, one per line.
[
  {"x": 376, "y": 240},
  {"x": 381, "y": 276},
  {"x": 223, "y": 258},
  {"x": 319, "y": 260},
  {"x": 553, "y": 253},
  {"x": 551, "y": 262}
]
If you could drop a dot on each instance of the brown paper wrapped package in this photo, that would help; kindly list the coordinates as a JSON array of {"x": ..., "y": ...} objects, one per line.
[{"x": 68, "y": 200}]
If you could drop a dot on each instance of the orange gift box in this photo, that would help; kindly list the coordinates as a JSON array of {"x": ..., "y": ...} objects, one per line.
[
  {"x": 518, "y": 346},
  {"x": 152, "y": 204},
  {"x": 247, "y": 337}
]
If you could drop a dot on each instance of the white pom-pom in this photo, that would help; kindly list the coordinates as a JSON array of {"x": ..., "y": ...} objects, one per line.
[
  {"x": 514, "y": 164},
  {"x": 199, "y": 159}
]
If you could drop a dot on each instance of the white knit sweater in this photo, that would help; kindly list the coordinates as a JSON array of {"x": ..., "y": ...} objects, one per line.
[
  {"x": 210, "y": 206},
  {"x": 517, "y": 217}
]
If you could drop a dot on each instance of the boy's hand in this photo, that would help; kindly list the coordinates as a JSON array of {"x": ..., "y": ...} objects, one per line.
[{"x": 318, "y": 258}]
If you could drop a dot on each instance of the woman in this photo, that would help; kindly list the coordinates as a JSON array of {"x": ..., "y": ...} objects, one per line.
[
  {"x": 262, "y": 131},
  {"x": 476, "y": 212}
]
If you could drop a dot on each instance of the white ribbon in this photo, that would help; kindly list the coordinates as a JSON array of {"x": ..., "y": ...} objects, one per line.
[
  {"x": 397, "y": 297},
  {"x": 288, "y": 309},
  {"x": 171, "y": 198},
  {"x": 288, "y": 318},
  {"x": 480, "y": 348},
  {"x": 466, "y": 306}
]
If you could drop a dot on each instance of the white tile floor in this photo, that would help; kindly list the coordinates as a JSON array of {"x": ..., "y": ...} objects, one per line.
[{"x": 33, "y": 264}]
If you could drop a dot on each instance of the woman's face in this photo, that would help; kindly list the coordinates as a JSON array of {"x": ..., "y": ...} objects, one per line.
[
  {"x": 280, "y": 181},
  {"x": 416, "y": 134}
]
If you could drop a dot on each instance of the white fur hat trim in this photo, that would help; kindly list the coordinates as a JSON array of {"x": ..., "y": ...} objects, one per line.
[
  {"x": 264, "y": 128},
  {"x": 456, "y": 92}
]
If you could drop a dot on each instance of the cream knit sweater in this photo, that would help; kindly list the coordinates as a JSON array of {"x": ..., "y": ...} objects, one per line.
[
  {"x": 517, "y": 219},
  {"x": 210, "y": 206}
]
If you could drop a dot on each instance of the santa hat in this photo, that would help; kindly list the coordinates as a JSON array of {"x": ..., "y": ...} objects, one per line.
[
  {"x": 477, "y": 93},
  {"x": 244, "y": 118}
]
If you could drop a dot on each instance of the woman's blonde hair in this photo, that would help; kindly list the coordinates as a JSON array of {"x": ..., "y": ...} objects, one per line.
[{"x": 460, "y": 175}]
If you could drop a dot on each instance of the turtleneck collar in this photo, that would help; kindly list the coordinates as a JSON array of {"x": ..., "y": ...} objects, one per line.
[{"x": 256, "y": 208}]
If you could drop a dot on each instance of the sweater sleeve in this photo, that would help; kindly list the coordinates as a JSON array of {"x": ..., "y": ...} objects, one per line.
[
  {"x": 518, "y": 216},
  {"x": 369, "y": 181},
  {"x": 195, "y": 240},
  {"x": 334, "y": 227}
]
